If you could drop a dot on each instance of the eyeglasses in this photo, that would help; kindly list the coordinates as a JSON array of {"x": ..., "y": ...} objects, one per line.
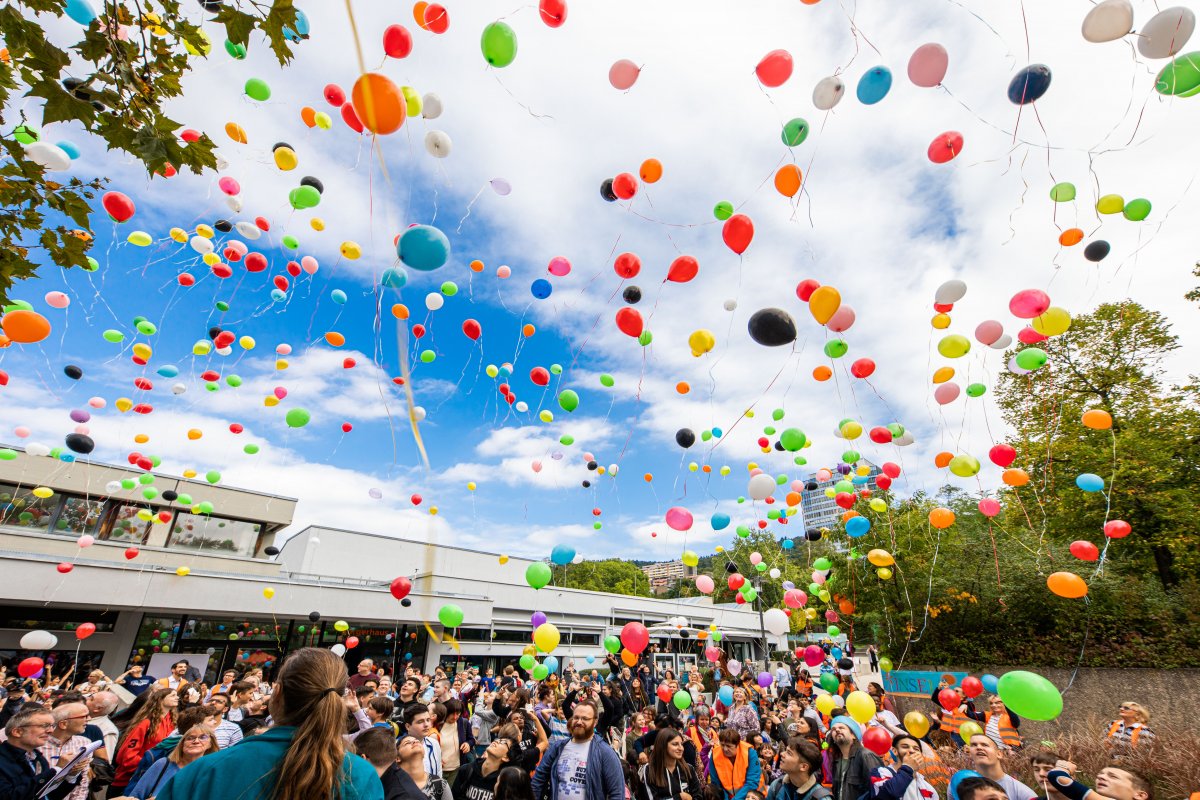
[
  {"x": 45, "y": 726},
  {"x": 1126, "y": 707},
  {"x": 85, "y": 716},
  {"x": 202, "y": 737}
]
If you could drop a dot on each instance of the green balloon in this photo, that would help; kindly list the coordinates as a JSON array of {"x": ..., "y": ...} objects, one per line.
[
  {"x": 1179, "y": 77},
  {"x": 705, "y": 436},
  {"x": 499, "y": 44},
  {"x": 795, "y": 132},
  {"x": 1137, "y": 210},
  {"x": 566, "y": 440},
  {"x": 772, "y": 514},
  {"x": 761, "y": 566},
  {"x": 822, "y": 564},
  {"x": 7, "y": 455},
  {"x": 833, "y": 630},
  {"x": 1062, "y": 192},
  {"x": 964, "y": 466},
  {"x": 234, "y": 380},
  {"x": 537, "y": 574},
  {"x": 844, "y": 487},
  {"x": 800, "y": 461},
  {"x": 212, "y": 476},
  {"x": 449, "y": 288},
  {"x": 749, "y": 592},
  {"x": 527, "y": 662},
  {"x": 150, "y": 493},
  {"x": 556, "y": 369},
  {"x": 612, "y": 644},
  {"x": 237, "y": 51},
  {"x": 568, "y": 400},
  {"x": 682, "y": 699},
  {"x": 597, "y": 525},
  {"x": 250, "y": 449},
  {"x": 206, "y": 507},
  {"x": 607, "y": 380},
  {"x": 792, "y": 439},
  {"x": 743, "y": 532},
  {"x": 113, "y": 336},
  {"x": 645, "y": 338},
  {"x": 540, "y": 672},
  {"x": 297, "y": 417},
  {"x": 781, "y": 479},
  {"x": 92, "y": 264},
  {"x": 428, "y": 356},
  {"x": 976, "y": 390},
  {"x": 836, "y": 348},
  {"x": 147, "y": 328},
  {"x": 1032, "y": 358},
  {"x": 777, "y": 414},
  {"x": 222, "y": 305},
  {"x": 128, "y": 483},
  {"x": 829, "y": 682},
  {"x": 290, "y": 242},
  {"x": 769, "y": 430},
  {"x": 304, "y": 197},
  {"x": 723, "y": 210},
  {"x": 1030, "y": 695},
  {"x": 450, "y": 615},
  {"x": 257, "y": 89},
  {"x": 184, "y": 499},
  {"x": 896, "y": 429},
  {"x": 147, "y": 478}
]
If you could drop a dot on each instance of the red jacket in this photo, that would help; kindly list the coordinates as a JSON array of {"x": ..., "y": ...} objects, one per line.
[{"x": 133, "y": 746}]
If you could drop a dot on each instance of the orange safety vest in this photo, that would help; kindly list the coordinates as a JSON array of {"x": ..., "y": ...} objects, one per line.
[
  {"x": 951, "y": 721},
  {"x": 804, "y": 686},
  {"x": 1133, "y": 737},
  {"x": 1008, "y": 734},
  {"x": 732, "y": 774}
]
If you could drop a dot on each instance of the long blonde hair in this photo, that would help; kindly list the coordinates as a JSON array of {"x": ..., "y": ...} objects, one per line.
[
  {"x": 1143, "y": 714},
  {"x": 308, "y": 695}
]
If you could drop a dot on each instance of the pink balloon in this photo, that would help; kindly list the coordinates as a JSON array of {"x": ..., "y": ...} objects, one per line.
[
  {"x": 928, "y": 64},
  {"x": 679, "y": 519},
  {"x": 503, "y": 272},
  {"x": 814, "y": 655},
  {"x": 87, "y": 540},
  {"x": 794, "y": 598},
  {"x": 21, "y": 431},
  {"x": 705, "y": 584},
  {"x": 946, "y": 393},
  {"x": 537, "y": 466},
  {"x": 775, "y": 68},
  {"x": 797, "y": 486},
  {"x": 309, "y": 265},
  {"x": 712, "y": 654},
  {"x": 623, "y": 74},
  {"x": 989, "y": 331},
  {"x": 823, "y": 475},
  {"x": 755, "y": 471},
  {"x": 1029, "y": 303},
  {"x": 97, "y": 402},
  {"x": 756, "y": 558},
  {"x": 818, "y": 577},
  {"x": 842, "y": 319},
  {"x": 57, "y": 300},
  {"x": 989, "y": 507},
  {"x": 283, "y": 349},
  {"x": 229, "y": 186},
  {"x": 559, "y": 266},
  {"x": 1028, "y": 335},
  {"x": 83, "y": 429},
  {"x": 280, "y": 392}
]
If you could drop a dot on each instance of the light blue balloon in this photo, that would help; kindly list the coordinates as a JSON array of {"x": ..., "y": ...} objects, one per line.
[
  {"x": 338, "y": 297},
  {"x": 859, "y": 480},
  {"x": 991, "y": 684},
  {"x": 720, "y": 521},
  {"x": 423, "y": 247},
  {"x": 70, "y": 149},
  {"x": 551, "y": 664},
  {"x": 168, "y": 370},
  {"x": 788, "y": 544},
  {"x": 874, "y": 85},
  {"x": 1089, "y": 482},
  {"x": 505, "y": 370},
  {"x": 562, "y": 554},
  {"x": 716, "y": 433},
  {"x": 958, "y": 778},
  {"x": 394, "y": 278},
  {"x": 591, "y": 659},
  {"x": 836, "y": 652},
  {"x": 278, "y": 295},
  {"x": 301, "y": 29},
  {"x": 80, "y": 11},
  {"x": 725, "y": 695},
  {"x": 857, "y": 526}
]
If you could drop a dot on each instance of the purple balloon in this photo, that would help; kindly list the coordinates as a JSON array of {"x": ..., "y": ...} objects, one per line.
[
  {"x": 765, "y": 679},
  {"x": 538, "y": 618},
  {"x": 844, "y": 469},
  {"x": 79, "y": 415},
  {"x": 788, "y": 586}
]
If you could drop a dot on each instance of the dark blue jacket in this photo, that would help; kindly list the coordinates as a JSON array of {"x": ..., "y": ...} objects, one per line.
[
  {"x": 22, "y": 778},
  {"x": 605, "y": 780}
]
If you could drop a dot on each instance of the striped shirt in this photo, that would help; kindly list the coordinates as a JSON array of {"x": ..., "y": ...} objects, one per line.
[{"x": 54, "y": 749}]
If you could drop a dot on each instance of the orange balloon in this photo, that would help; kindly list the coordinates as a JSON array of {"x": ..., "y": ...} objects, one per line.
[
  {"x": 379, "y": 103},
  {"x": 400, "y": 311},
  {"x": 943, "y": 374},
  {"x": 683, "y": 387},
  {"x": 849, "y": 515},
  {"x": 308, "y": 116},
  {"x": 706, "y": 469},
  {"x": 5, "y": 341},
  {"x": 845, "y": 606},
  {"x": 419, "y": 15},
  {"x": 1097, "y": 419},
  {"x": 1015, "y": 477},
  {"x": 477, "y": 266},
  {"x": 942, "y": 459},
  {"x": 528, "y": 330},
  {"x": 787, "y": 180},
  {"x": 25, "y": 327},
  {"x": 629, "y": 659},
  {"x": 822, "y": 373},
  {"x": 941, "y": 518},
  {"x": 647, "y": 477},
  {"x": 235, "y": 132},
  {"x": 335, "y": 338},
  {"x": 1070, "y": 237},
  {"x": 792, "y": 499},
  {"x": 651, "y": 170},
  {"x": 1067, "y": 584},
  {"x": 702, "y": 635}
]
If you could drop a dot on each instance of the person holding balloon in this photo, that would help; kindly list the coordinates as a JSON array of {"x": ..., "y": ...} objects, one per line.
[
  {"x": 954, "y": 707},
  {"x": 902, "y": 780}
]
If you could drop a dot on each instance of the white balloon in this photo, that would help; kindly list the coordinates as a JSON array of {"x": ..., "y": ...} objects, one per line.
[
  {"x": 431, "y": 106},
  {"x": 38, "y": 640},
  {"x": 828, "y": 92},
  {"x": 839, "y": 701},
  {"x": 338, "y": 650},
  {"x": 50, "y": 156},
  {"x": 761, "y": 486},
  {"x": 37, "y": 449},
  {"x": 522, "y": 406},
  {"x": 437, "y": 144},
  {"x": 419, "y": 413},
  {"x": 112, "y": 487},
  {"x": 249, "y": 230},
  {"x": 950, "y": 292},
  {"x": 501, "y": 186},
  {"x": 904, "y": 441},
  {"x": 776, "y": 621},
  {"x": 734, "y": 665},
  {"x": 222, "y": 164},
  {"x": 1108, "y": 21},
  {"x": 612, "y": 469},
  {"x": 224, "y": 351},
  {"x": 774, "y": 573},
  {"x": 234, "y": 202},
  {"x": 434, "y": 301},
  {"x": 1002, "y": 343},
  {"x": 201, "y": 245},
  {"x": 314, "y": 541},
  {"x": 178, "y": 388},
  {"x": 730, "y": 304},
  {"x": 1167, "y": 32},
  {"x": 578, "y": 559}
]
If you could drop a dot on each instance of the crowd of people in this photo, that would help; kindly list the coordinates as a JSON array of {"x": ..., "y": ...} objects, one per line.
[{"x": 611, "y": 733}]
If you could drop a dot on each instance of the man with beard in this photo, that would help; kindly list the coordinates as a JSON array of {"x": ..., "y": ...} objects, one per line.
[{"x": 583, "y": 767}]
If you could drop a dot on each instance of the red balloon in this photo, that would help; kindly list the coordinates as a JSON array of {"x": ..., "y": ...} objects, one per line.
[
  {"x": 949, "y": 699},
  {"x": 554, "y": 12},
  {"x": 30, "y": 667},
  {"x": 805, "y": 289},
  {"x": 472, "y": 329},
  {"x": 739, "y": 599},
  {"x": 350, "y": 117},
  {"x": 85, "y": 630},
  {"x": 1085, "y": 550},
  {"x": 945, "y": 147},
  {"x": 683, "y": 269},
  {"x": 347, "y": 427},
  {"x": 880, "y": 435},
  {"x": 877, "y": 740},
  {"x": 862, "y": 368},
  {"x": 736, "y": 581},
  {"x": 416, "y": 499},
  {"x": 190, "y": 135},
  {"x": 131, "y": 553},
  {"x": 397, "y": 41},
  {"x": 1117, "y": 529},
  {"x": 293, "y": 269},
  {"x": 540, "y": 376},
  {"x": 664, "y": 693},
  {"x": 883, "y": 481},
  {"x": 625, "y": 186},
  {"x": 64, "y": 567},
  {"x": 418, "y": 330},
  {"x": 255, "y": 262},
  {"x": 629, "y": 321},
  {"x": 334, "y": 95},
  {"x": 627, "y": 265},
  {"x": 437, "y": 19},
  {"x": 844, "y": 499},
  {"x": 737, "y": 232},
  {"x": 943, "y": 308},
  {"x": 118, "y": 206},
  {"x": 891, "y": 469},
  {"x": 635, "y": 637},
  {"x": 1002, "y": 455},
  {"x": 775, "y": 68},
  {"x": 351, "y": 642},
  {"x": 236, "y": 427},
  {"x": 262, "y": 223},
  {"x": 349, "y": 363},
  {"x": 972, "y": 686},
  {"x": 187, "y": 279},
  {"x": 1028, "y": 335},
  {"x": 224, "y": 339}
]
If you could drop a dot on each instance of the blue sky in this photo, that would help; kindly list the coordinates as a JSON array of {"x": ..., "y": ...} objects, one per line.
[{"x": 876, "y": 219}]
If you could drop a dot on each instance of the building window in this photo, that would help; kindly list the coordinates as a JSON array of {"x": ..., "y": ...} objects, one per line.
[
  {"x": 233, "y": 537},
  {"x": 127, "y": 526},
  {"x": 20, "y": 508},
  {"x": 584, "y": 638},
  {"x": 55, "y": 619},
  {"x": 512, "y": 637},
  {"x": 474, "y": 634},
  {"x": 79, "y": 515}
]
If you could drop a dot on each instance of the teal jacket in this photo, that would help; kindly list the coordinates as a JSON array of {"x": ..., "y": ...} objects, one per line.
[{"x": 249, "y": 769}]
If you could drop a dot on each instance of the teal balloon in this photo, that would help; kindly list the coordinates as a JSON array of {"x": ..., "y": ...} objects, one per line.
[
  {"x": 562, "y": 554},
  {"x": 795, "y": 132},
  {"x": 80, "y": 11},
  {"x": 1137, "y": 210},
  {"x": 723, "y": 210},
  {"x": 394, "y": 278},
  {"x": 1030, "y": 695},
  {"x": 857, "y": 526},
  {"x": 1089, "y": 482},
  {"x": 1032, "y": 358},
  {"x": 338, "y": 296},
  {"x": 719, "y": 521},
  {"x": 257, "y": 89},
  {"x": 423, "y": 248},
  {"x": 499, "y": 44},
  {"x": 874, "y": 85}
]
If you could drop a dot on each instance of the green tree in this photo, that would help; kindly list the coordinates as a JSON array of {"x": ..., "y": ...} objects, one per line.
[
  {"x": 609, "y": 575},
  {"x": 113, "y": 82}
]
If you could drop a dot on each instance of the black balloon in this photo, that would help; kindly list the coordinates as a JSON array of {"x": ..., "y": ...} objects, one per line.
[
  {"x": 79, "y": 443},
  {"x": 730, "y": 567},
  {"x": 1097, "y": 250},
  {"x": 214, "y": 332},
  {"x": 314, "y": 616},
  {"x": 813, "y": 534},
  {"x": 73, "y": 372},
  {"x": 685, "y": 438},
  {"x": 811, "y": 486},
  {"x": 211, "y": 6},
  {"x": 606, "y": 191},
  {"x": 170, "y": 495},
  {"x": 845, "y": 663},
  {"x": 632, "y": 295},
  {"x": 309, "y": 180},
  {"x": 1029, "y": 84},
  {"x": 223, "y": 225},
  {"x": 779, "y": 446},
  {"x": 586, "y": 484},
  {"x": 772, "y": 327},
  {"x": 406, "y": 602},
  {"x": 272, "y": 550},
  {"x": 279, "y": 145}
]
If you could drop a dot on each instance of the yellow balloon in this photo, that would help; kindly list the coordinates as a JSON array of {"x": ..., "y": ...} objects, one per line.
[
  {"x": 268, "y": 592},
  {"x": 825, "y": 704},
  {"x": 940, "y": 321},
  {"x": 143, "y": 351},
  {"x": 824, "y": 303},
  {"x": 954, "y": 346},
  {"x": 123, "y": 404},
  {"x": 470, "y": 486},
  {"x": 194, "y": 434},
  {"x": 144, "y": 515},
  {"x": 205, "y": 231},
  {"x": 323, "y": 120},
  {"x": 412, "y": 100},
  {"x": 546, "y": 416},
  {"x": 720, "y": 549},
  {"x": 701, "y": 341},
  {"x": 529, "y": 650},
  {"x": 1052, "y": 322},
  {"x": 503, "y": 559},
  {"x": 690, "y": 558},
  {"x": 692, "y": 467},
  {"x": 943, "y": 374},
  {"x": 43, "y": 492},
  {"x": 139, "y": 239},
  {"x": 810, "y": 613},
  {"x": 916, "y": 723},
  {"x": 863, "y": 470},
  {"x": 203, "y": 49},
  {"x": 202, "y": 348},
  {"x": 878, "y": 505},
  {"x": 270, "y": 401},
  {"x": 247, "y": 342},
  {"x": 281, "y": 365},
  {"x": 285, "y": 158},
  {"x": 141, "y": 438},
  {"x": 968, "y": 729},
  {"x": 189, "y": 473},
  {"x": 433, "y": 510},
  {"x": 351, "y": 250},
  {"x": 211, "y": 259},
  {"x": 317, "y": 224},
  {"x": 861, "y": 707},
  {"x": 830, "y": 491},
  {"x": 182, "y": 571},
  {"x": 1109, "y": 204},
  {"x": 179, "y": 235},
  {"x": 884, "y": 573},
  {"x": 880, "y": 558},
  {"x": 852, "y": 430},
  {"x": 546, "y": 637}
]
